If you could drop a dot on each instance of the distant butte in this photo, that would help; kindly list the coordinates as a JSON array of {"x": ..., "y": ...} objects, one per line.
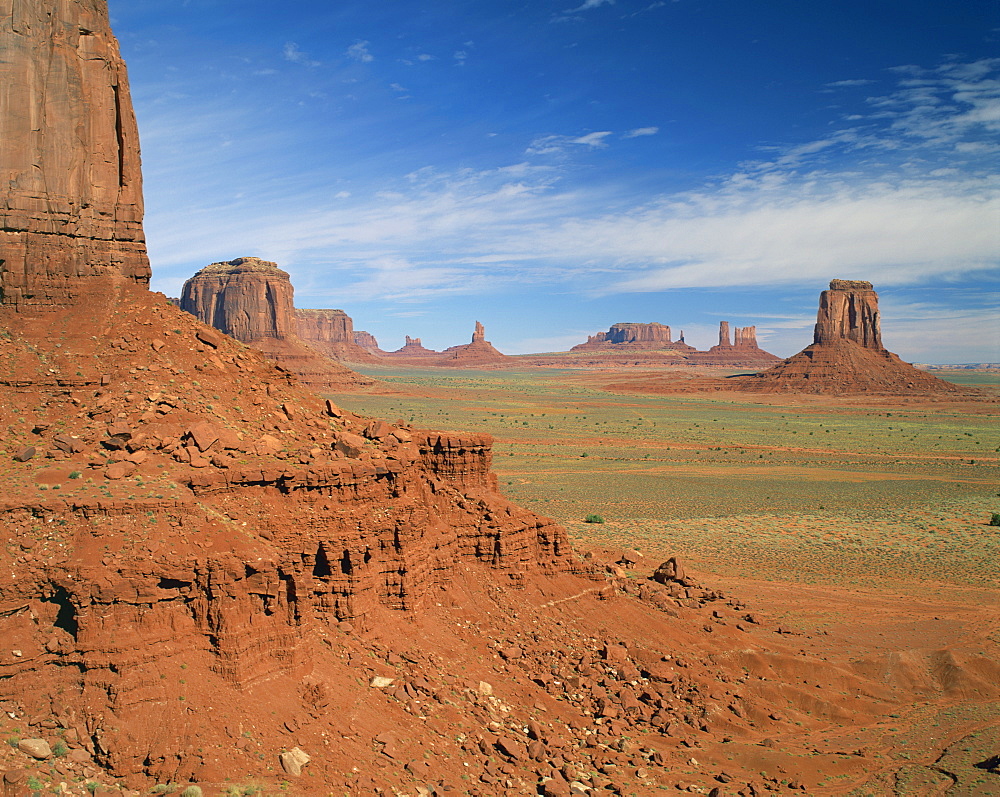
[
  {"x": 479, "y": 352},
  {"x": 331, "y": 333},
  {"x": 634, "y": 338},
  {"x": 846, "y": 355},
  {"x": 252, "y": 300}
]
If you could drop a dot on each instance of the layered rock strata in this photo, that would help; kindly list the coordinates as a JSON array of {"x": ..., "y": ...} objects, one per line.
[
  {"x": 846, "y": 355},
  {"x": 208, "y": 514},
  {"x": 331, "y": 332},
  {"x": 71, "y": 207},
  {"x": 252, "y": 300}
]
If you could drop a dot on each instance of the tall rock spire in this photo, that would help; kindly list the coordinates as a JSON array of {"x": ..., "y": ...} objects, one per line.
[{"x": 71, "y": 207}]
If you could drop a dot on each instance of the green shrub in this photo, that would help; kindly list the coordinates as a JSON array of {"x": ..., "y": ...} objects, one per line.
[
  {"x": 995, "y": 520},
  {"x": 59, "y": 749},
  {"x": 192, "y": 791},
  {"x": 593, "y": 519}
]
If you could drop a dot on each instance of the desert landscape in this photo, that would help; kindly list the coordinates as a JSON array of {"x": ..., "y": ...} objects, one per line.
[{"x": 234, "y": 565}]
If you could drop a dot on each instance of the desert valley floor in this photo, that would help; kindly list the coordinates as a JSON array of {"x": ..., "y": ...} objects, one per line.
[{"x": 858, "y": 525}]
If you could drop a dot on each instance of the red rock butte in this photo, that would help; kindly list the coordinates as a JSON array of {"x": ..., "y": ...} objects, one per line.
[
  {"x": 846, "y": 355},
  {"x": 634, "y": 338},
  {"x": 71, "y": 208},
  {"x": 252, "y": 300}
]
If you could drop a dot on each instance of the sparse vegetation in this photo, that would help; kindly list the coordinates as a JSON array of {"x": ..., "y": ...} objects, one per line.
[{"x": 593, "y": 519}]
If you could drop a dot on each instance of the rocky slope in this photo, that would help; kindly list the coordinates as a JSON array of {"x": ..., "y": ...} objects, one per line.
[{"x": 252, "y": 300}]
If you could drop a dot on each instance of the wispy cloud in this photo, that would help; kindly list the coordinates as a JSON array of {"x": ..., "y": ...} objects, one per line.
[
  {"x": 292, "y": 53},
  {"x": 359, "y": 52},
  {"x": 641, "y": 131},
  {"x": 587, "y": 5},
  {"x": 549, "y": 145}
]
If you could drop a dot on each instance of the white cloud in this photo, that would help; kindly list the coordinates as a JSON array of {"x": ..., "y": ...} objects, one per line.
[
  {"x": 589, "y": 4},
  {"x": 359, "y": 52},
  {"x": 641, "y": 131},
  {"x": 292, "y": 53}
]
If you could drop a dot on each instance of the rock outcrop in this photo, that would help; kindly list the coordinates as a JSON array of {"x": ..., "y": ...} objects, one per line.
[
  {"x": 331, "y": 332},
  {"x": 252, "y": 300},
  {"x": 216, "y": 520},
  {"x": 849, "y": 311},
  {"x": 846, "y": 355},
  {"x": 71, "y": 206}
]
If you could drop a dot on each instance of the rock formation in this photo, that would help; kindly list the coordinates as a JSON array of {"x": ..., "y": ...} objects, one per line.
[
  {"x": 848, "y": 311},
  {"x": 478, "y": 352},
  {"x": 71, "y": 206},
  {"x": 331, "y": 332},
  {"x": 632, "y": 339},
  {"x": 631, "y": 336},
  {"x": 367, "y": 341},
  {"x": 413, "y": 348},
  {"x": 846, "y": 355},
  {"x": 741, "y": 352},
  {"x": 252, "y": 300}
]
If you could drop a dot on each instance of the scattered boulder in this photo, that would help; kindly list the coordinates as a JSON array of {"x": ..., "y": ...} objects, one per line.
[
  {"x": 670, "y": 571},
  {"x": 25, "y": 454},
  {"x": 36, "y": 748},
  {"x": 293, "y": 760}
]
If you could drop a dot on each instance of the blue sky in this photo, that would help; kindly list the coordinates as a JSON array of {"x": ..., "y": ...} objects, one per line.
[{"x": 550, "y": 168}]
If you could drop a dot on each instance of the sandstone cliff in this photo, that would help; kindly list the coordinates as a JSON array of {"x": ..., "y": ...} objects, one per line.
[
  {"x": 252, "y": 300},
  {"x": 71, "y": 206},
  {"x": 331, "y": 332}
]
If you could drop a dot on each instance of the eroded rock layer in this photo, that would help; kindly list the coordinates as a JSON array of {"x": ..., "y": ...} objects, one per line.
[
  {"x": 71, "y": 206},
  {"x": 212, "y": 512}
]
